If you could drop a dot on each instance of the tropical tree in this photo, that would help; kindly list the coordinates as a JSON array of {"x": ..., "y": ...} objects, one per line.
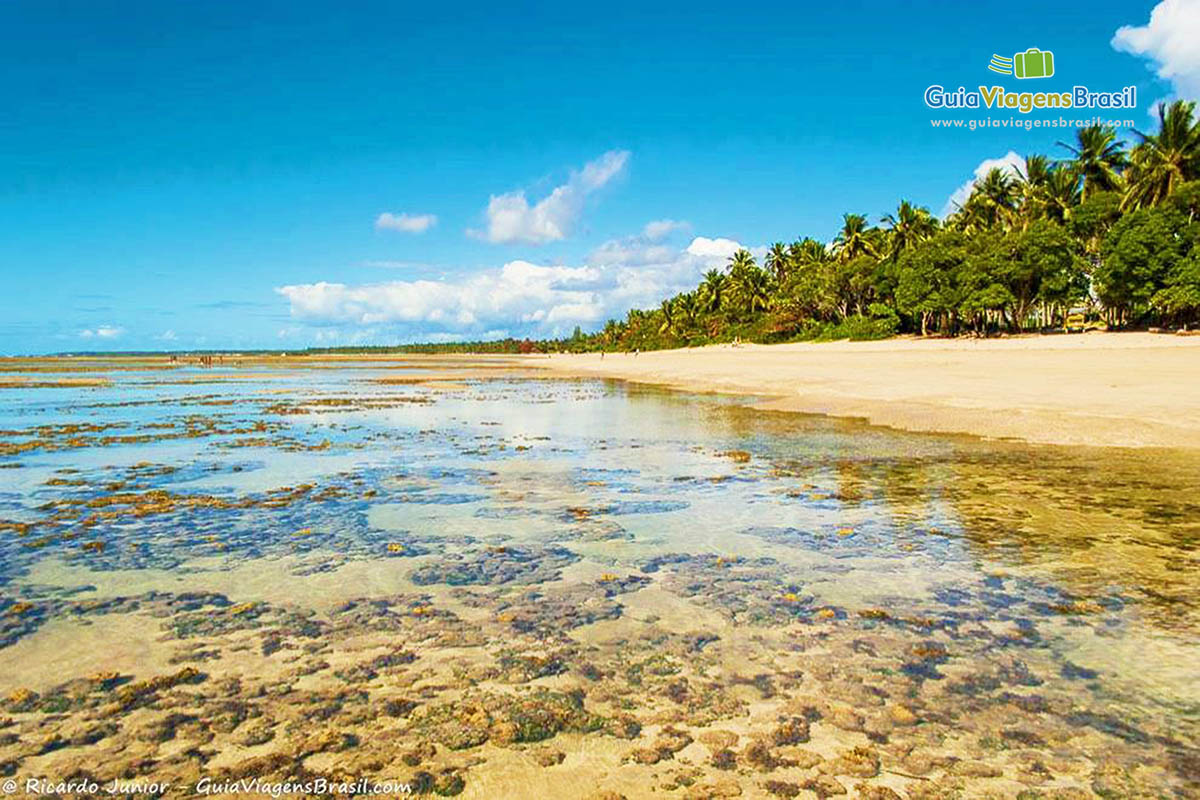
[
  {"x": 751, "y": 289},
  {"x": 778, "y": 261},
  {"x": 749, "y": 286},
  {"x": 995, "y": 198},
  {"x": 1031, "y": 181},
  {"x": 1098, "y": 158},
  {"x": 713, "y": 290},
  {"x": 804, "y": 294},
  {"x": 1180, "y": 298},
  {"x": 1042, "y": 265},
  {"x": 908, "y": 227},
  {"x": 1167, "y": 159},
  {"x": 1060, "y": 194},
  {"x": 853, "y": 239},
  {"x": 741, "y": 260},
  {"x": 667, "y": 310},
  {"x": 926, "y": 289},
  {"x": 1091, "y": 220},
  {"x": 807, "y": 252},
  {"x": 1139, "y": 253},
  {"x": 687, "y": 308},
  {"x": 1035, "y": 174}
]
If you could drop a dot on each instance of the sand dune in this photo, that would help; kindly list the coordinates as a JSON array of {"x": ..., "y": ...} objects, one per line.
[{"x": 1117, "y": 389}]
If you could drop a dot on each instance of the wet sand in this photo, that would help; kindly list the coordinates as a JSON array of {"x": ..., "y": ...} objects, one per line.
[{"x": 1118, "y": 390}]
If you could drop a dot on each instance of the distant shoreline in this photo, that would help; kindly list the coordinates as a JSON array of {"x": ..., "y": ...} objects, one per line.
[{"x": 1096, "y": 389}]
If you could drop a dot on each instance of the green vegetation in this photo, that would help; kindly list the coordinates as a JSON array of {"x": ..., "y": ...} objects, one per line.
[
  {"x": 1111, "y": 234},
  {"x": 1107, "y": 233}
]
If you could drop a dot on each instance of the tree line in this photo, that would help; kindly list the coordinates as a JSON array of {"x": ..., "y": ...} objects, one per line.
[{"x": 1105, "y": 231}]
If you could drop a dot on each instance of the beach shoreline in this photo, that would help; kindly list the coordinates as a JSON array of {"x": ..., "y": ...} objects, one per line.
[{"x": 1095, "y": 389}]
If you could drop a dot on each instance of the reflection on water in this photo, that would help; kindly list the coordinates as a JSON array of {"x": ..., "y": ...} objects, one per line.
[{"x": 490, "y": 585}]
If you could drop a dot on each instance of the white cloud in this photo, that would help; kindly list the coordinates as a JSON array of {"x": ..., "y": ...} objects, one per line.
[
  {"x": 1169, "y": 40},
  {"x": 511, "y": 218},
  {"x": 520, "y": 298},
  {"x": 167, "y": 336},
  {"x": 1009, "y": 162},
  {"x": 408, "y": 223},
  {"x": 103, "y": 332},
  {"x": 713, "y": 248},
  {"x": 662, "y": 228}
]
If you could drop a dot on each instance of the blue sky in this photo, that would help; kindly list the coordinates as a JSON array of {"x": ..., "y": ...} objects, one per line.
[{"x": 186, "y": 175}]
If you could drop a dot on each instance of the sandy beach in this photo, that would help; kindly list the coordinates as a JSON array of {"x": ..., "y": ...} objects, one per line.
[{"x": 1121, "y": 389}]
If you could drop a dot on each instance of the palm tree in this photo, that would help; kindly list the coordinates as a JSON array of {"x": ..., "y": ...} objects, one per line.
[
  {"x": 687, "y": 308},
  {"x": 1060, "y": 194},
  {"x": 612, "y": 332},
  {"x": 1048, "y": 190},
  {"x": 779, "y": 261},
  {"x": 1032, "y": 180},
  {"x": 908, "y": 227},
  {"x": 1098, "y": 158},
  {"x": 713, "y": 290},
  {"x": 667, "y": 309},
  {"x": 1036, "y": 172},
  {"x": 741, "y": 260},
  {"x": 807, "y": 252},
  {"x": 751, "y": 288},
  {"x": 1166, "y": 159},
  {"x": 993, "y": 203},
  {"x": 853, "y": 240}
]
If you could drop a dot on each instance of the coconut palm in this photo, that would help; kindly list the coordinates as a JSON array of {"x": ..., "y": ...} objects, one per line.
[
  {"x": 687, "y": 307},
  {"x": 1036, "y": 172},
  {"x": 908, "y": 227},
  {"x": 612, "y": 332},
  {"x": 713, "y": 291},
  {"x": 741, "y": 260},
  {"x": 1060, "y": 194},
  {"x": 1166, "y": 159},
  {"x": 779, "y": 261},
  {"x": 667, "y": 310},
  {"x": 750, "y": 287},
  {"x": 1098, "y": 158},
  {"x": 1032, "y": 183},
  {"x": 992, "y": 203},
  {"x": 853, "y": 239},
  {"x": 808, "y": 251}
]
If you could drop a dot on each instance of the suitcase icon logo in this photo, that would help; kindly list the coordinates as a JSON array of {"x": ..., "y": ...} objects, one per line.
[{"x": 1033, "y": 63}]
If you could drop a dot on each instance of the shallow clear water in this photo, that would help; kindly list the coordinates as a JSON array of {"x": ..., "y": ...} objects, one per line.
[{"x": 945, "y": 617}]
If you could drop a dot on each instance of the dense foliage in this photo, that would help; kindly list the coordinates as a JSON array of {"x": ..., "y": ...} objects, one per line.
[{"x": 1106, "y": 232}]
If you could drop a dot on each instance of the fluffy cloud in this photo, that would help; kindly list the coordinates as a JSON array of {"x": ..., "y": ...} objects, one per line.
[
  {"x": 408, "y": 223},
  {"x": 519, "y": 298},
  {"x": 1169, "y": 40},
  {"x": 713, "y": 248},
  {"x": 1010, "y": 162},
  {"x": 103, "y": 332},
  {"x": 511, "y": 218},
  {"x": 662, "y": 228}
]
